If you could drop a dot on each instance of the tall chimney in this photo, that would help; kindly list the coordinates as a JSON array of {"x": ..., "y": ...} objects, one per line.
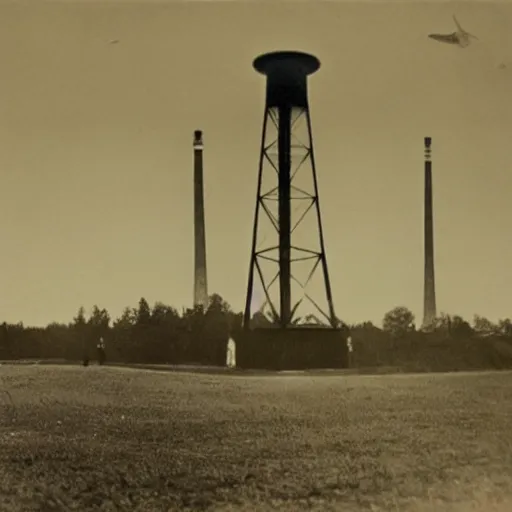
[
  {"x": 429, "y": 291},
  {"x": 200, "y": 286}
]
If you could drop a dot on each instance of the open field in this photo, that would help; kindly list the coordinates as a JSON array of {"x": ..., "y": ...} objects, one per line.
[{"x": 106, "y": 438}]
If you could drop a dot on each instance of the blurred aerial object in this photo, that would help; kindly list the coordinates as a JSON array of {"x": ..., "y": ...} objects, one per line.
[{"x": 460, "y": 37}]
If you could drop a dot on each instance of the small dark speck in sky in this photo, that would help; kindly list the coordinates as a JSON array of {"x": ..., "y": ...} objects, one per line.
[{"x": 113, "y": 41}]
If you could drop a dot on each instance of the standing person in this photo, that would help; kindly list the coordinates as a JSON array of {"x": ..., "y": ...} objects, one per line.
[
  {"x": 100, "y": 347},
  {"x": 350, "y": 351},
  {"x": 231, "y": 354}
]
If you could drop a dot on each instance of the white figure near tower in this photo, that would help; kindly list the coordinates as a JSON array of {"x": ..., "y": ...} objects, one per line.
[{"x": 231, "y": 354}]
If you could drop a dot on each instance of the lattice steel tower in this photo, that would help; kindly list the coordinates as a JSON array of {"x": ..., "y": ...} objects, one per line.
[{"x": 287, "y": 201}]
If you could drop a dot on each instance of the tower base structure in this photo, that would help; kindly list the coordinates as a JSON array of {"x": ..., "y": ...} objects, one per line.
[{"x": 296, "y": 348}]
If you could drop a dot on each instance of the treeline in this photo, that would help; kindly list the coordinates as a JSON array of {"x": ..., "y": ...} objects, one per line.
[
  {"x": 140, "y": 335},
  {"x": 451, "y": 343},
  {"x": 162, "y": 335}
]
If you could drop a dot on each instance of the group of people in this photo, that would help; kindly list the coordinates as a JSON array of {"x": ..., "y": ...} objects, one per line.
[
  {"x": 100, "y": 353},
  {"x": 230, "y": 356}
]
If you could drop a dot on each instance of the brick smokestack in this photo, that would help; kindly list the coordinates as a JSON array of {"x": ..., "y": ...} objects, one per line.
[
  {"x": 429, "y": 291},
  {"x": 200, "y": 283}
]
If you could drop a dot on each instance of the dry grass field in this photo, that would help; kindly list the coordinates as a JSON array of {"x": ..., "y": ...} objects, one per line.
[{"x": 113, "y": 439}]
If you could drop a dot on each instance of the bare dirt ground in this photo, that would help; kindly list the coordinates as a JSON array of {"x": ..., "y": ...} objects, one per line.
[{"x": 112, "y": 439}]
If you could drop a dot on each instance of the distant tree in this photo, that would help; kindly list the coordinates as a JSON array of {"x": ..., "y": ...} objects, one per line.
[
  {"x": 122, "y": 336},
  {"x": 99, "y": 321},
  {"x": 217, "y": 316},
  {"x": 484, "y": 327},
  {"x": 56, "y": 343},
  {"x": 163, "y": 315},
  {"x": 140, "y": 334},
  {"x": 443, "y": 322},
  {"x": 193, "y": 319},
  {"x": 164, "y": 334},
  {"x": 127, "y": 319},
  {"x": 505, "y": 327},
  {"x": 236, "y": 321},
  {"x": 79, "y": 328},
  {"x": 143, "y": 313},
  {"x": 399, "y": 321},
  {"x": 453, "y": 326},
  {"x": 79, "y": 320},
  {"x": 218, "y": 304},
  {"x": 459, "y": 328},
  {"x": 98, "y": 326}
]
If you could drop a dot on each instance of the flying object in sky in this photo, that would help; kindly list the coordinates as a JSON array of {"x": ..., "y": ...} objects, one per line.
[{"x": 460, "y": 37}]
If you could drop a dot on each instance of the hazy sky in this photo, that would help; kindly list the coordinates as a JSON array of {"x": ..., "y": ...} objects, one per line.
[{"x": 96, "y": 150}]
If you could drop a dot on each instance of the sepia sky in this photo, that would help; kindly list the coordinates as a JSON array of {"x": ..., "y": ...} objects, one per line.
[{"x": 96, "y": 150}]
